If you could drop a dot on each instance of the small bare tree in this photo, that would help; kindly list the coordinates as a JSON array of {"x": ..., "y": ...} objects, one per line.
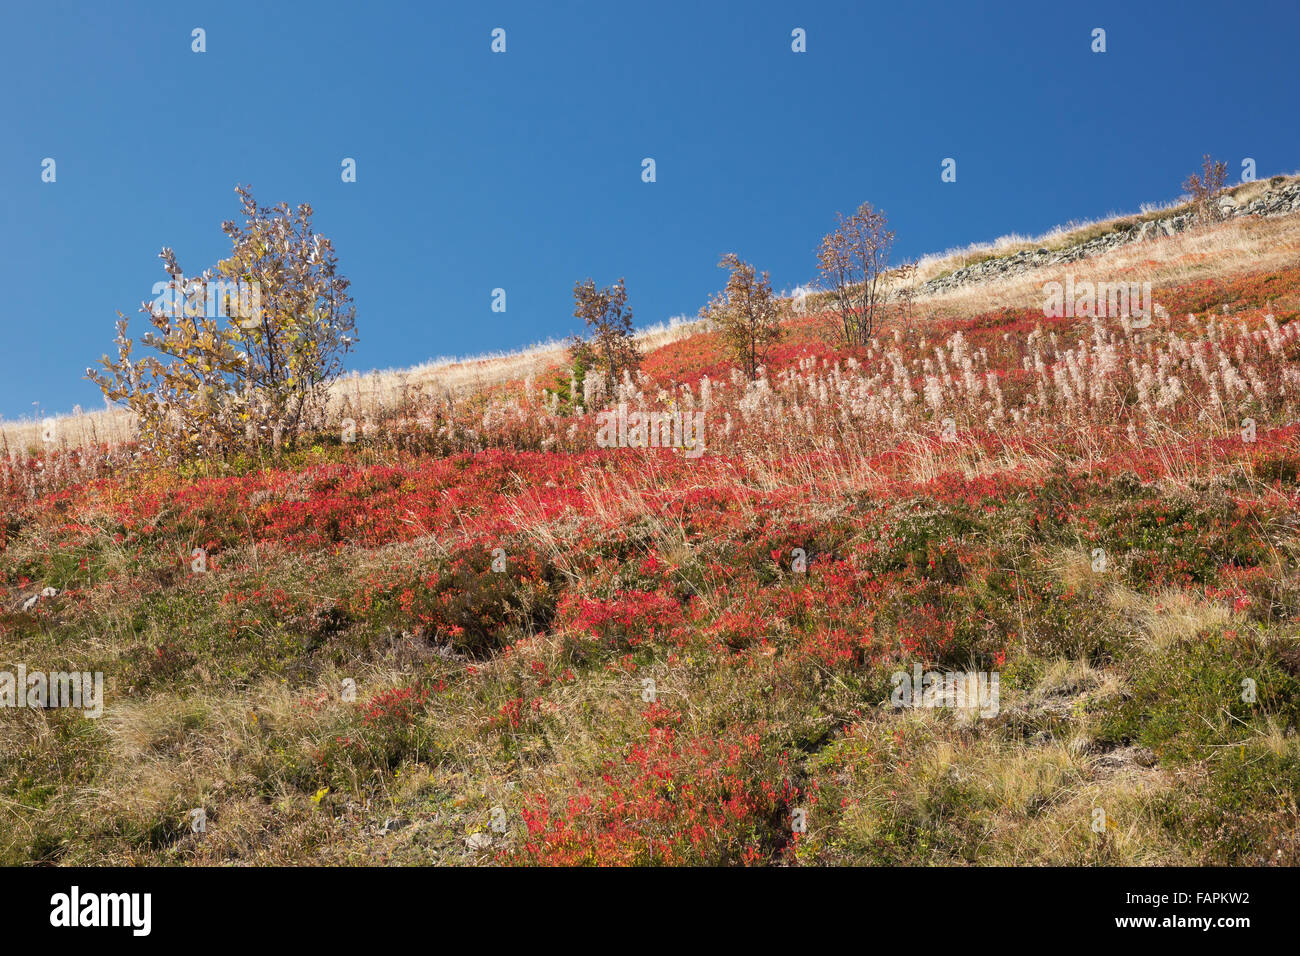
[
  {"x": 905, "y": 289},
  {"x": 853, "y": 260},
  {"x": 611, "y": 345},
  {"x": 1206, "y": 187},
  {"x": 746, "y": 312}
]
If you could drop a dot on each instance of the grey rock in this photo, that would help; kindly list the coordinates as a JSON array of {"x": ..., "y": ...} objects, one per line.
[{"x": 1281, "y": 199}]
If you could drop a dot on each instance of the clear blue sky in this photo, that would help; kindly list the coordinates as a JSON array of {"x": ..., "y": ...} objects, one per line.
[{"x": 523, "y": 171}]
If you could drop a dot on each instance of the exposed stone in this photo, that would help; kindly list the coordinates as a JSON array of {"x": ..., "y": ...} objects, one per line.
[{"x": 1276, "y": 201}]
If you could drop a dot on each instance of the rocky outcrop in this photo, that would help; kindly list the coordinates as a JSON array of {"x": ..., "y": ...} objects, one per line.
[{"x": 1277, "y": 201}]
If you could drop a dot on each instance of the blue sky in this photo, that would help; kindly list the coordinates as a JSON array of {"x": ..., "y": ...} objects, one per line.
[{"x": 522, "y": 170}]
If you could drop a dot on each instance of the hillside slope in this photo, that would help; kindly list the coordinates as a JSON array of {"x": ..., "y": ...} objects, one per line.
[
  {"x": 476, "y": 636},
  {"x": 1260, "y": 234}
]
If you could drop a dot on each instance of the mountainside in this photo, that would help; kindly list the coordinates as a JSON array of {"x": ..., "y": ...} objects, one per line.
[
  {"x": 994, "y": 587},
  {"x": 1279, "y": 196}
]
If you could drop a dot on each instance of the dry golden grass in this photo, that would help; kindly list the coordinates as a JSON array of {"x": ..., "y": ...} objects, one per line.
[
  {"x": 1061, "y": 237},
  {"x": 1238, "y": 246},
  {"x": 1169, "y": 616},
  {"x": 361, "y": 394},
  {"x": 1019, "y": 805}
]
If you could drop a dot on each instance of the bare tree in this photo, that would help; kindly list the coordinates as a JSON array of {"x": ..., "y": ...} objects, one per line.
[
  {"x": 853, "y": 259},
  {"x": 609, "y": 321},
  {"x": 905, "y": 279},
  {"x": 746, "y": 312},
  {"x": 1206, "y": 187}
]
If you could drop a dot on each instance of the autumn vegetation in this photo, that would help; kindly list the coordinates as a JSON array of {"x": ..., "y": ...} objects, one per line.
[
  {"x": 746, "y": 312},
  {"x": 1206, "y": 187},
  {"x": 571, "y": 655},
  {"x": 245, "y": 360}
]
